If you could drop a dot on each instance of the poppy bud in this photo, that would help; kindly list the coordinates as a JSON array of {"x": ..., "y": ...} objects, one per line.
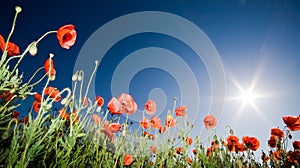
[
  {"x": 18, "y": 9},
  {"x": 33, "y": 49}
]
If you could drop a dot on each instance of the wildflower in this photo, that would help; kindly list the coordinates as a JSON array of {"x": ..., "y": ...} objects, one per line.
[
  {"x": 179, "y": 150},
  {"x": 128, "y": 104},
  {"x": 210, "y": 121},
  {"x": 208, "y": 152},
  {"x": 115, "y": 127},
  {"x": 6, "y": 96},
  {"x": 180, "y": 111},
  {"x": 294, "y": 156},
  {"x": 189, "y": 160},
  {"x": 53, "y": 93},
  {"x": 66, "y": 36},
  {"x": 25, "y": 120},
  {"x": 155, "y": 122},
  {"x": 170, "y": 121},
  {"x": 97, "y": 119},
  {"x": 145, "y": 123},
  {"x": 37, "y": 97},
  {"x": 150, "y": 136},
  {"x": 162, "y": 129},
  {"x": 128, "y": 159},
  {"x": 251, "y": 142},
  {"x": 14, "y": 114},
  {"x": 240, "y": 147},
  {"x": 189, "y": 140},
  {"x": 277, "y": 132},
  {"x": 107, "y": 131},
  {"x": 214, "y": 145},
  {"x": 36, "y": 106},
  {"x": 75, "y": 117},
  {"x": 85, "y": 102},
  {"x": 277, "y": 154},
  {"x": 49, "y": 67},
  {"x": 99, "y": 100},
  {"x": 150, "y": 107},
  {"x": 296, "y": 145},
  {"x": 232, "y": 141},
  {"x": 264, "y": 157},
  {"x": 114, "y": 106},
  {"x": 292, "y": 122},
  {"x": 153, "y": 149},
  {"x": 63, "y": 114},
  {"x": 272, "y": 142},
  {"x": 12, "y": 48}
]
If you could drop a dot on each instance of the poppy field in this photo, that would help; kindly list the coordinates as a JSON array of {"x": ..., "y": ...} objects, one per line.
[{"x": 88, "y": 131}]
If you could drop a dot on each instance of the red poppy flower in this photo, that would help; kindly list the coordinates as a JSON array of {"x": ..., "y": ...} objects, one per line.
[
  {"x": 128, "y": 159},
  {"x": 170, "y": 121},
  {"x": 66, "y": 36},
  {"x": 36, "y": 106},
  {"x": 153, "y": 149},
  {"x": 277, "y": 132},
  {"x": 128, "y": 104},
  {"x": 97, "y": 119},
  {"x": 272, "y": 142},
  {"x": 179, "y": 150},
  {"x": 232, "y": 139},
  {"x": 232, "y": 142},
  {"x": 150, "y": 107},
  {"x": 294, "y": 157},
  {"x": 151, "y": 136},
  {"x": 114, "y": 106},
  {"x": 162, "y": 129},
  {"x": 189, "y": 140},
  {"x": 251, "y": 142},
  {"x": 12, "y": 48},
  {"x": 49, "y": 67},
  {"x": 180, "y": 111},
  {"x": 14, "y": 114},
  {"x": 75, "y": 117},
  {"x": 292, "y": 122},
  {"x": 208, "y": 152},
  {"x": 277, "y": 154},
  {"x": 214, "y": 145},
  {"x": 296, "y": 145},
  {"x": 155, "y": 122},
  {"x": 145, "y": 123},
  {"x": 6, "y": 96},
  {"x": 115, "y": 127},
  {"x": 25, "y": 120},
  {"x": 85, "y": 102},
  {"x": 63, "y": 114},
  {"x": 53, "y": 93},
  {"x": 210, "y": 121},
  {"x": 37, "y": 97},
  {"x": 99, "y": 100},
  {"x": 240, "y": 147},
  {"x": 107, "y": 131}
]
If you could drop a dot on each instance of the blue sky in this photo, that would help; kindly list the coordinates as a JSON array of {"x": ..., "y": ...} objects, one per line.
[{"x": 257, "y": 41}]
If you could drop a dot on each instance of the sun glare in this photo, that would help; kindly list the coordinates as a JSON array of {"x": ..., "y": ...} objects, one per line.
[{"x": 247, "y": 97}]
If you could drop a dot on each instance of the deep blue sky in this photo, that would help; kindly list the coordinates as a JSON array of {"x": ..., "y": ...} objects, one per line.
[{"x": 255, "y": 39}]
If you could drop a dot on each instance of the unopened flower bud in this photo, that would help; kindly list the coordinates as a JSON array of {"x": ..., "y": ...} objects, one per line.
[
  {"x": 75, "y": 76},
  {"x": 51, "y": 55},
  {"x": 33, "y": 49},
  {"x": 64, "y": 101},
  {"x": 18, "y": 9},
  {"x": 98, "y": 109},
  {"x": 52, "y": 78}
]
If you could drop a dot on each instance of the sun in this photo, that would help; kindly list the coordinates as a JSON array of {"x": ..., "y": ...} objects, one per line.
[{"x": 247, "y": 97}]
